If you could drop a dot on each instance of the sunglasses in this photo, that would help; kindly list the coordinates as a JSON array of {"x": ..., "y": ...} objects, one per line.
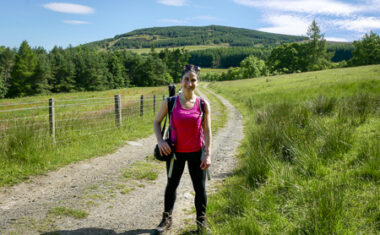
[{"x": 191, "y": 67}]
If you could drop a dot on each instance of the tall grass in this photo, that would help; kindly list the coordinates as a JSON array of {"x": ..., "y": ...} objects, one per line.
[
  {"x": 26, "y": 153},
  {"x": 310, "y": 160}
]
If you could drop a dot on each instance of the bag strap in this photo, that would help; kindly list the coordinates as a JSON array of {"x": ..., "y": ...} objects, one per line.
[
  {"x": 163, "y": 129},
  {"x": 202, "y": 106},
  {"x": 171, "y": 104}
]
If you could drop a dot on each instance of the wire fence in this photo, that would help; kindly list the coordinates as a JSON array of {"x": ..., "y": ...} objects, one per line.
[{"x": 61, "y": 120}]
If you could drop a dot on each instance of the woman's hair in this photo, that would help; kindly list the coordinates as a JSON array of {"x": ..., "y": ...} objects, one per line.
[{"x": 192, "y": 68}]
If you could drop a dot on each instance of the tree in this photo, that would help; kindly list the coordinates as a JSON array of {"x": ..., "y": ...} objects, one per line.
[
  {"x": 152, "y": 72},
  {"x": 91, "y": 70},
  {"x": 317, "y": 47},
  {"x": 175, "y": 60},
  {"x": 42, "y": 76},
  {"x": 117, "y": 76},
  {"x": 294, "y": 57},
  {"x": 63, "y": 70},
  {"x": 289, "y": 58},
  {"x": 367, "y": 50},
  {"x": 252, "y": 67},
  {"x": 23, "y": 71},
  {"x": 6, "y": 65}
]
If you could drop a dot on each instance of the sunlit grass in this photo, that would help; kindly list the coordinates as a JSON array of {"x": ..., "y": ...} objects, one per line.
[{"x": 310, "y": 160}]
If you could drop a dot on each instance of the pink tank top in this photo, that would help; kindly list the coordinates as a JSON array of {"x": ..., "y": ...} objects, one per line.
[{"x": 186, "y": 133}]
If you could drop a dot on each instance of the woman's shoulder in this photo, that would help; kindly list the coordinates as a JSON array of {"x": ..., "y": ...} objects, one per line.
[{"x": 203, "y": 103}]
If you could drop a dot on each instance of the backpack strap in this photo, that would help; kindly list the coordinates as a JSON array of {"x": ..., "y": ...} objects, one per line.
[
  {"x": 202, "y": 106},
  {"x": 171, "y": 105}
]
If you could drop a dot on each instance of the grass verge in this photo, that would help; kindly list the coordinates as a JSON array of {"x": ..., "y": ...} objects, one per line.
[
  {"x": 218, "y": 111},
  {"x": 77, "y": 214},
  {"x": 309, "y": 163}
]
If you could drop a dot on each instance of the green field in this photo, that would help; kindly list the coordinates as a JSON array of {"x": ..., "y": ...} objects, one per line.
[
  {"x": 189, "y": 48},
  {"x": 212, "y": 70},
  {"x": 310, "y": 161}
]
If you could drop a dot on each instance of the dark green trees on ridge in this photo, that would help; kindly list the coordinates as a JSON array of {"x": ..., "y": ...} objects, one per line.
[{"x": 30, "y": 71}]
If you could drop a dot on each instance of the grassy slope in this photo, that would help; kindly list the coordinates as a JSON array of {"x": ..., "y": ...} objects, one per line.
[
  {"x": 189, "y": 48},
  {"x": 310, "y": 162}
]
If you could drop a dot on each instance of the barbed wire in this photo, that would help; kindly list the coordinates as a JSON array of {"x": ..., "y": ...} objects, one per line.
[
  {"x": 11, "y": 110},
  {"x": 104, "y": 111},
  {"x": 18, "y": 118},
  {"x": 84, "y": 111},
  {"x": 130, "y": 110},
  {"x": 15, "y": 104},
  {"x": 83, "y": 104},
  {"x": 98, "y": 98},
  {"x": 24, "y": 126}
]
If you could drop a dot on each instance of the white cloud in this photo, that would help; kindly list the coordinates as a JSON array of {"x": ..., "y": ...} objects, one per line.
[
  {"x": 328, "y": 7},
  {"x": 286, "y": 24},
  {"x": 176, "y": 3},
  {"x": 75, "y": 22},
  {"x": 360, "y": 24},
  {"x": 173, "y": 21},
  {"x": 335, "y": 39},
  {"x": 371, "y": 5},
  {"x": 69, "y": 8}
]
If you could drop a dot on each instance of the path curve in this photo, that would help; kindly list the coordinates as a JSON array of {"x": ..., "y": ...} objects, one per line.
[{"x": 94, "y": 186}]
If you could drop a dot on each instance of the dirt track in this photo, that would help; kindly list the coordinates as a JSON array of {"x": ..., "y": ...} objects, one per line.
[{"x": 114, "y": 205}]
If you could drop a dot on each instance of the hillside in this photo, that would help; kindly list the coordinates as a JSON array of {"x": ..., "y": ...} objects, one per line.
[{"x": 177, "y": 36}]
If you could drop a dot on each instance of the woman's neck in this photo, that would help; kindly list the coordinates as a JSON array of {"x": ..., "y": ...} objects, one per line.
[{"x": 188, "y": 95}]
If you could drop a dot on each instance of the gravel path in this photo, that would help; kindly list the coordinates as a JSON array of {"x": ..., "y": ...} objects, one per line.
[{"x": 114, "y": 205}]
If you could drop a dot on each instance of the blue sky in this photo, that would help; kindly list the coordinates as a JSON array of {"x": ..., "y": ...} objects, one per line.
[{"x": 48, "y": 23}]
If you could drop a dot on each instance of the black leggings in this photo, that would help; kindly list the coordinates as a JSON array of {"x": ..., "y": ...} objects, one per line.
[{"x": 198, "y": 177}]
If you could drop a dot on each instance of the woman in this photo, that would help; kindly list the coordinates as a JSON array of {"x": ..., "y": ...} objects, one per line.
[{"x": 190, "y": 132}]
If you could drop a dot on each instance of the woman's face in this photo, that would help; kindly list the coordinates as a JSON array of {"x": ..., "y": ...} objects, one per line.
[{"x": 189, "y": 81}]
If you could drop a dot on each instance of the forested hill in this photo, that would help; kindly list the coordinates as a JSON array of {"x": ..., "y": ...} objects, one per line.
[{"x": 176, "y": 36}]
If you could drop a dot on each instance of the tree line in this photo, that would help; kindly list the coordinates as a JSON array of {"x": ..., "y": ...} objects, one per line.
[
  {"x": 27, "y": 71},
  {"x": 305, "y": 56},
  {"x": 226, "y": 57}
]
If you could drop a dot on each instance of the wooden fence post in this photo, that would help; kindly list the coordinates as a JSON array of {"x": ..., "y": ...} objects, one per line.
[
  {"x": 142, "y": 106},
  {"x": 154, "y": 103},
  {"x": 52, "y": 119},
  {"x": 118, "y": 119}
]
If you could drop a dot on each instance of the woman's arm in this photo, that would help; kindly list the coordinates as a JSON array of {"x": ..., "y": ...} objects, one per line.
[
  {"x": 162, "y": 145},
  {"x": 208, "y": 137}
]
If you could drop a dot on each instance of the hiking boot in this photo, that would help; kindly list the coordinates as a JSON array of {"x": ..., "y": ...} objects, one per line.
[
  {"x": 165, "y": 223},
  {"x": 202, "y": 225}
]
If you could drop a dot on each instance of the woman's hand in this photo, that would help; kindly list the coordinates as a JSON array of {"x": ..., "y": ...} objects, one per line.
[
  {"x": 206, "y": 162},
  {"x": 164, "y": 148}
]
